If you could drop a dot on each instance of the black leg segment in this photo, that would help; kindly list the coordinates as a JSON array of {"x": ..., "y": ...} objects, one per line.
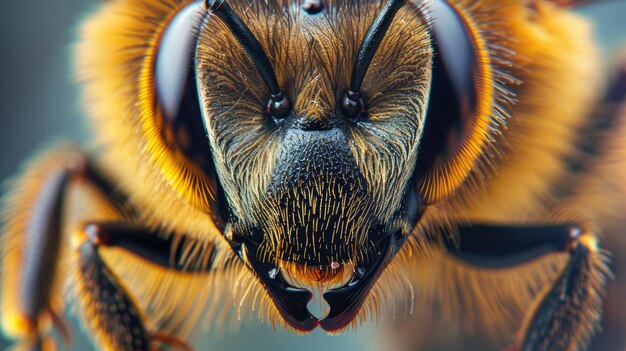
[
  {"x": 497, "y": 246},
  {"x": 566, "y": 314},
  {"x": 43, "y": 205},
  {"x": 107, "y": 304},
  {"x": 166, "y": 252}
]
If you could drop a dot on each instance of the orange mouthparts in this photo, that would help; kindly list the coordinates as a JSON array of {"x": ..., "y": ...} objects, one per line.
[{"x": 291, "y": 302}]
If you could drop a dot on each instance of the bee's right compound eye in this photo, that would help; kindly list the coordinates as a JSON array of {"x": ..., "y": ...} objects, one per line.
[
  {"x": 181, "y": 126},
  {"x": 174, "y": 63}
]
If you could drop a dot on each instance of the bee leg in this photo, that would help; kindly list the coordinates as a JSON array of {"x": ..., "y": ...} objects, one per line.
[
  {"x": 35, "y": 258},
  {"x": 31, "y": 244},
  {"x": 107, "y": 306},
  {"x": 567, "y": 313}
]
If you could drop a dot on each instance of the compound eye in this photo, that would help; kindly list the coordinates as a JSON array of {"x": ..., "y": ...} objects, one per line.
[
  {"x": 174, "y": 63},
  {"x": 278, "y": 106},
  {"x": 457, "y": 126}
]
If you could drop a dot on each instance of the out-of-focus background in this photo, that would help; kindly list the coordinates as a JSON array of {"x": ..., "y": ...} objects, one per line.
[{"x": 38, "y": 103}]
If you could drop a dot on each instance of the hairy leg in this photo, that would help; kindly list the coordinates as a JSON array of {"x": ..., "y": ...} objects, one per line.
[
  {"x": 45, "y": 243},
  {"x": 565, "y": 314}
]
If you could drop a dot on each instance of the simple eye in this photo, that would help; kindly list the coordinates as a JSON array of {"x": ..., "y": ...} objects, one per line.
[
  {"x": 174, "y": 63},
  {"x": 278, "y": 105},
  {"x": 352, "y": 104},
  {"x": 313, "y": 7}
]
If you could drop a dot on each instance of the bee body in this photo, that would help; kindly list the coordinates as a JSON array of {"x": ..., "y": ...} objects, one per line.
[{"x": 264, "y": 150}]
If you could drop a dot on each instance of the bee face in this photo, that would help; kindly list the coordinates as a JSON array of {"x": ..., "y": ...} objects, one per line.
[
  {"x": 319, "y": 166},
  {"x": 315, "y": 187},
  {"x": 307, "y": 136}
]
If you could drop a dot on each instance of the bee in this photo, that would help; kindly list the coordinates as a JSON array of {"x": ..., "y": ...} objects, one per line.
[{"x": 261, "y": 153}]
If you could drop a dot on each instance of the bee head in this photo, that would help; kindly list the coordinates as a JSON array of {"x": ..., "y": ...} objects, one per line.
[{"x": 315, "y": 116}]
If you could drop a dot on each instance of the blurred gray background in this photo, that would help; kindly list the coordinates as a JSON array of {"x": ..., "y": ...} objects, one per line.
[{"x": 38, "y": 102}]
